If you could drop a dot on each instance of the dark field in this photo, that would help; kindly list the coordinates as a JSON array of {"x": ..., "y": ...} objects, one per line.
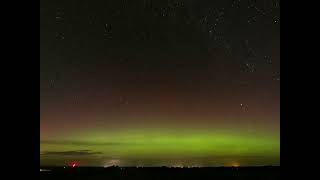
[{"x": 161, "y": 173}]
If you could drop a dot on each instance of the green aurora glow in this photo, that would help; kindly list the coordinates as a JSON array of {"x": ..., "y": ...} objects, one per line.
[{"x": 206, "y": 147}]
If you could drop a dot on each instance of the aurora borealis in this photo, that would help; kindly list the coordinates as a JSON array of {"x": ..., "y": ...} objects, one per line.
[
  {"x": 155, "y": 147},
  {"x": 151, "y": 83}
]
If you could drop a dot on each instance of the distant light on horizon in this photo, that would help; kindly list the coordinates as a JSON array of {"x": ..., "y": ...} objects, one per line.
[
  {"x": 42, "y": 170},
  {"x": 73, "y": 164},
  {"x": 113, "y": 162},
  {"x": 235, "y": 164}
]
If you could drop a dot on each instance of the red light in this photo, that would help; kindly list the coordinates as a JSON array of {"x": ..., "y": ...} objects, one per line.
[{"x": 73, "y": 164}]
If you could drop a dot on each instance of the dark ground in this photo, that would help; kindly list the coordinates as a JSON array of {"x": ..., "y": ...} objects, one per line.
[{"x": 219, "y": 173}]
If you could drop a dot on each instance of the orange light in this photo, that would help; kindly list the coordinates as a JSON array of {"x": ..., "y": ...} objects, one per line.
[{"x": 235, "y": 164}]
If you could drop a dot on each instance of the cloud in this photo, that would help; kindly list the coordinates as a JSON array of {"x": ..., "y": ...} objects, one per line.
[
  {"x": 80, "y": 143},
  {"x": 70, "y": 153}
]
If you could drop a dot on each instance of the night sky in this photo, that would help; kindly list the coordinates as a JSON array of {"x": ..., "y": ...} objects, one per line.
[{"x": 160, "y": 82}]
